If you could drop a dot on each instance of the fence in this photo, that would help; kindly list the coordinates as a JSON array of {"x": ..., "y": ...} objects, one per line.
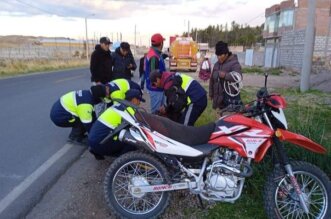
[{"x": 60, "y": 52}]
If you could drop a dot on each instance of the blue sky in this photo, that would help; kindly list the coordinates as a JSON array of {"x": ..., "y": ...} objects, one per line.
[{"x": 169, "y": 17}]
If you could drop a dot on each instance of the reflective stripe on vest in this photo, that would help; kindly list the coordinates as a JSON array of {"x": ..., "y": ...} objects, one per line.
[
  {"x": 84, "y": 111},
  {"x": 123, "y": 86},
  {"x": 187, "y": 80},
  {"x": 111, "y": 118},
  {"x": 68, "y": 101}
]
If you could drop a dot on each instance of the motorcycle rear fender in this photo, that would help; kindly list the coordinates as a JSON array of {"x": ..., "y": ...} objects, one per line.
[{"x": 300, "y": 140}]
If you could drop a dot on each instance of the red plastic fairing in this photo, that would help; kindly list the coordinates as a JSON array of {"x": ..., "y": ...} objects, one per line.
[
  {"x": 229, "y": 142},
  {"x": 242, "y": 120},
  {"x": 276, "y": 101},
  {"x": 301, "y": 141},
  {"x": 262, "y": 150}
]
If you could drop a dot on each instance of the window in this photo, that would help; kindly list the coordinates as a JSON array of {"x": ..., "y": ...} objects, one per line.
[
  {"x": 286, "y": 18},
  {"x": 271, "y": 23}
]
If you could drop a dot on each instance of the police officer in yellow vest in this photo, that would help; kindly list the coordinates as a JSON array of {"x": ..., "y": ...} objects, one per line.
[
  {"x": 119, "y": 87},
  {"x": 75, "y": 109},
  {"x": 106, "y": 123},
  {"x": 185, "y": 96}
]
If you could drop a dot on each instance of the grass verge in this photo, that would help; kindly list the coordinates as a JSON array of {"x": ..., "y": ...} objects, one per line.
[
  {"x": 260, "y": 70},
  {"x": 17, "y": 67},
  {"x": 308, "y": 114}
]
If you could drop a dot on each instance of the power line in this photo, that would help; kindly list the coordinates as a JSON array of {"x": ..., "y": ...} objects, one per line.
[
  {"x": 254, "y": 18},
  {"x": 35, "y": 7},
  {"x": 8, "y": 2}
]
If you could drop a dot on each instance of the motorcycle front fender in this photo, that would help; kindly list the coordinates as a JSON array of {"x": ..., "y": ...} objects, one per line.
[{"x": 300, "y": 140}]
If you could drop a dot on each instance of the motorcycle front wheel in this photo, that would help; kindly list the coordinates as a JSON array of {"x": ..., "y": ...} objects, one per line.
[
  {"x": 136, "y": 169},
  {"x": 281, "y": 200}
]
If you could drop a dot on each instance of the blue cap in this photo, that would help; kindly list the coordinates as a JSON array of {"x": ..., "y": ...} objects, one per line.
[{"x": 134, "y": 93}]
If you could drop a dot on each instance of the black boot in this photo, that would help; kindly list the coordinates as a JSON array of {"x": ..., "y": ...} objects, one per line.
[
  {"x": 96, "y": 156},
  {"x": 77, "y": 134}
]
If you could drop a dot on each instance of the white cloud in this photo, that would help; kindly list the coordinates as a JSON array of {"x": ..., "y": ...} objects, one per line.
[{"x": 66, "y": 18}]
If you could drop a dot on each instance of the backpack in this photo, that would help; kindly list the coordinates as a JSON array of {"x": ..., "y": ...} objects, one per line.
[{"x": 176, "y": 98}]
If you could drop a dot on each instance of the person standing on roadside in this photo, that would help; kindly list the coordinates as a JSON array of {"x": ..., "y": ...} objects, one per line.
[
  {"x": 101, "y": 62},
  {"x": 142, "y": 71},
  {"x": 226, "y": 79},
  {"x": 154, "y": 61},
  {"x": 123, "y": 62},
  {"x": 205, "y": 69}
]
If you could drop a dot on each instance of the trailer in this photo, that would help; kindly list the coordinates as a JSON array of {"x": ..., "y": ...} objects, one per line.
[{"x": 183, "y": 54}]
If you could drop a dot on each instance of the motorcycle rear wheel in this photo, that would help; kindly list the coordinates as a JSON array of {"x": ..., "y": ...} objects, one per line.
[
  {"x": 281, "y": 200},
  {"x": 136, "y": 168}
]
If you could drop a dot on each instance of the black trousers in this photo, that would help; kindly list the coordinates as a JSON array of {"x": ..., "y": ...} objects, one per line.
[
  {"x": 111, "y": 148},
  {"x": 193, "y": 111},
  {"x": 63, "y": 118},
  {"x": 228, "y": 100}
]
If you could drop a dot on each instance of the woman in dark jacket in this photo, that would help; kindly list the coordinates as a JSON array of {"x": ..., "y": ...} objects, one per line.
[
  {"x": 123, "y": 62},
  {"x": 221, "y": 75}
]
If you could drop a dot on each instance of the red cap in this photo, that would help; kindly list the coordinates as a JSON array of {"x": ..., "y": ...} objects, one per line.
[{"x": 157, "y": 38}]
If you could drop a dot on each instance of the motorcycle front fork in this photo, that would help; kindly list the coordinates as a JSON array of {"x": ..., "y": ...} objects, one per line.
[{"x": 283, "y": 160}]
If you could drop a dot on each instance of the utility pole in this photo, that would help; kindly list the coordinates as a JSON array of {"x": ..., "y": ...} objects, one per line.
[
  {"x": 308, "y": 47},
  {"x": 87, "y": 43},
  {"x": 188, "y": 28}
]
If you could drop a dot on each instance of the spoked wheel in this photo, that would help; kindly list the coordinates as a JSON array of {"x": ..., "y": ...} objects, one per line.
[
  {"x": 281, "y": 200},
  {"x": 136, "y": 169}
]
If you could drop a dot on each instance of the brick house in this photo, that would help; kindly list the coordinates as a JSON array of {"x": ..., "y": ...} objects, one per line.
[{"x": 284, "y": 33}]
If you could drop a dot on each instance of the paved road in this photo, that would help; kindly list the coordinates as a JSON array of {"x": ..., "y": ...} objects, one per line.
[
  {"x": 30, "y": 142},
  {"x": 28, "y": 137}
]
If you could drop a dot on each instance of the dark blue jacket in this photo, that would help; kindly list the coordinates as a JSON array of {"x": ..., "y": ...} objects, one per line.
[{"x": 120, "y": 65}]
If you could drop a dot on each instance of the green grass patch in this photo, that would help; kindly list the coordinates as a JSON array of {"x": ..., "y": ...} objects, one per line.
[
  {"x": 254, "y": 69},
  {"x": 308, "y": 114},
  {"x": 17, "y": 67},
  {"x": 261, "y": 70}
]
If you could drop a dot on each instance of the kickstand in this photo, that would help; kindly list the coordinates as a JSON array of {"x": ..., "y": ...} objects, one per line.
[{"x": 201, "y": 203}]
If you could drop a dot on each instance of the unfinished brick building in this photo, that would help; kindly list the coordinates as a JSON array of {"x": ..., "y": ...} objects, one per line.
[{"x": 284, "y": 34}]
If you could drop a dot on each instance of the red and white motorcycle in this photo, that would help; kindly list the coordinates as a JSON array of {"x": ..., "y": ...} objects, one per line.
[{"x": 213, "y": 162}]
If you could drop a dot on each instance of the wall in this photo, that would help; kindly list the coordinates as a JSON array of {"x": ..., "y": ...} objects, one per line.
[
  {"x": 291, "y": 49},
  {"x": 45, "y": 52},
  {"x": 258, "y": 58}
]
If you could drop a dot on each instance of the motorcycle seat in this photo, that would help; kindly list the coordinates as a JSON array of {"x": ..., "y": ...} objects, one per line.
[{"x": 188, "y": 135}]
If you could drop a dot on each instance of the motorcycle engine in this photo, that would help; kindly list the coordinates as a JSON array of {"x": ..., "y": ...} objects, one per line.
[
  {"x": 222, "y": 185},
  {"x": 221, "y": 181}
]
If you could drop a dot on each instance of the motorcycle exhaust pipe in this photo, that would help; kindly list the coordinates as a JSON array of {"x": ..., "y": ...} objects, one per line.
[{"x": 133, "y": 138}]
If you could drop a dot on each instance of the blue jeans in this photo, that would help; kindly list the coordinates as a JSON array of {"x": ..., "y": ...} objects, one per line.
[
  {"x": 157, "y": 100},
  {"x": 142, "y": 81}
]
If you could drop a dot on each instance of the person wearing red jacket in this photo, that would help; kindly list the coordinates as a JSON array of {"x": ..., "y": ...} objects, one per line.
[
  {"x": 154, "y": 61},
  {"x": 185, "y": 95}
]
